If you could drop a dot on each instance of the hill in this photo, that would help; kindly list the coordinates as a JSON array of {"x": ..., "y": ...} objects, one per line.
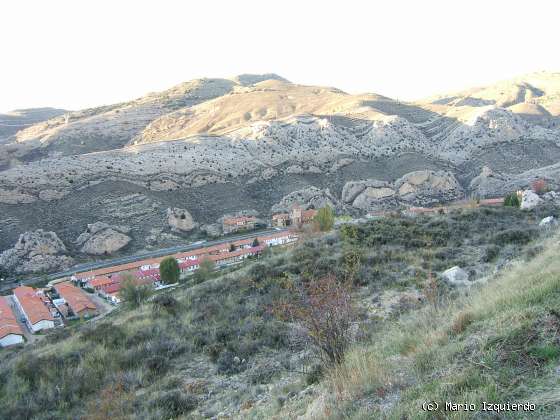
[
  {"x": 218, "y": 349},
  {"x": 257, "y": 143},
  {"x": 20, "y": 119}
]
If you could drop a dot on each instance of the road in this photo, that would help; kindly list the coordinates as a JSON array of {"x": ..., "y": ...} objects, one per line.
[{"x": 6, "y": 285}]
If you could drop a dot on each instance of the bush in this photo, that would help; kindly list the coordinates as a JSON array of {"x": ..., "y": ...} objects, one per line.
[
  {"x": 314, "y": 375},
  {"x": 323, "y": 308},
  {"x": 324, "y": 219},
  {"x": 109, "y": 335},
  {"x": 204, "y": 271},
  {"x": 166, "y": 304},
  {"x": 134, "y": 294},
  {"x": 512, "y": 200},
  {"x": 512, "y": 236},
  {"x": 175, "y": 403}
]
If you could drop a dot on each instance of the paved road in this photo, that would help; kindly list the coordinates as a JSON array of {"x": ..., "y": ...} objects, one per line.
[{"x": 132, "y": 258}]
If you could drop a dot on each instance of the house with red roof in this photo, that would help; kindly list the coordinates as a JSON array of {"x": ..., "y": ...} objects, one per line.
[
  {"x": 34, "y": 308},
  {"x": 76, "y": 299},
  {"x": 235, "y": 224},
  {"x": 10, "y": 331}
]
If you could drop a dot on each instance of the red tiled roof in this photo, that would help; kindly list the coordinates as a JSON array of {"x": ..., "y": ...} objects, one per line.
[
  {"x": 32, "y": 304},
  {"x": 219, "y": 248},
  {"x": 239, "y": 220},
  {"x": 100, "y": 281},
  {"x": 491, "y": 201},
  {"x": 308, "y": 214},
  {"x": 8, "y": 322},
  {"x": 74, "y": 297},
  {"x": 189, "y": 263},
  {"x": 152, "y": 272},
  {"x": 237, "y": 253},
  {"x": 112, "y": 288}
]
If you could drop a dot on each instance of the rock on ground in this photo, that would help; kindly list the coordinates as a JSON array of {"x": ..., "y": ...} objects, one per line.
[
  {"x": 102, "y": 239},
  {"x": 36, "y": 252},
  {"x": 180, "y": 220},
  {"x": 307, "y": 197},
  {"x": 419, "y": 187},
  {"x": 456, "y": 276},
  {"x": 529, "y": 200},
  {"x": 548, "y": 222}
]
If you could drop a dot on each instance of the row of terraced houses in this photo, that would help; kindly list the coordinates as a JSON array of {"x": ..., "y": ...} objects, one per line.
[{"x": 107, "y": 282}]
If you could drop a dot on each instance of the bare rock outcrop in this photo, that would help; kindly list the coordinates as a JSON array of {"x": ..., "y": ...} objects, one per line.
[
  {"x": 456, "y": 276},
  {"x": 307, "y": 197},
  {"x": 36, "y": 252},
  {"x": 102, "y": 239},
  {"x": 419, "y": 187},
  {"x": 180, "y": 220},
  {"x": 529, "y": 200},
  {"x": 427, "y": 187},
  {"x": 487, "y": 183}
]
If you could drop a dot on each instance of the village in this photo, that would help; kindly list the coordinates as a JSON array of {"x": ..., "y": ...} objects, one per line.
[
  {"x": 89, "y": 294},
  {"x": 85, "y": 295}
]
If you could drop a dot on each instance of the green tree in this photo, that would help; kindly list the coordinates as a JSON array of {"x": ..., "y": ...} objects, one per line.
[
  {"x": 232, "y": 247},
  {"x": 132, "y": 293},
  {"x": 512, "y": 200},
  {"x": 324, "y": 219},
  {"x": 255, "y": 242},
  {"x": 204, "y": 270},
  {"x": 169, "y": 270}
]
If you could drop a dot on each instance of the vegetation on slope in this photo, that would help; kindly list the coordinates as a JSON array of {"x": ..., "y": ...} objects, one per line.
[
  {"x": 499, "y": 344},
  {"x": 217, "y": 348}
]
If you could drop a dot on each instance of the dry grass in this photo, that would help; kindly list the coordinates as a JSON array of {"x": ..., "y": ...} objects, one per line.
[{"x": 490, "y": 345}]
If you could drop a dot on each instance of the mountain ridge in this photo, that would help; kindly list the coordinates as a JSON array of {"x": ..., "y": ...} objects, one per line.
[{"x": 221, "y": 146}]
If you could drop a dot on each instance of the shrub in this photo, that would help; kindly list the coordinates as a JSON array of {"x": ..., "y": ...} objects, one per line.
[
  {"x": 105, "y": 333},
  {"x": 166, "y": 304},
  {"x": 134, "y": 294},
  {"x": 512, "y": 236},
  {"x": 323, "y": 307},
  {"x": 324, "y": 219},
  {"x": 175, "y": 403},
  {"x": 314, "y": 375},
  {"x": 512, "y": 200},
  {"x": 461, "y": 322},
  {"x": 204, "y": 270}
]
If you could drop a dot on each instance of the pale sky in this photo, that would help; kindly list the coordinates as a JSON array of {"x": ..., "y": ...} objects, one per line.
[{"x": 79, "y": 53}]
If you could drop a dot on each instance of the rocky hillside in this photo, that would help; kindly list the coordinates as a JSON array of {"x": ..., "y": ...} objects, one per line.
[
  {"x": 20, "y": 119},
  {"x": 256, "y": 142},
  {"x": 215, "y": 349}
]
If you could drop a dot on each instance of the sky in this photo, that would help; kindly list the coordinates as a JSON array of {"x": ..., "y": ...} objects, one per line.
[{"x": 77, "y": 54}]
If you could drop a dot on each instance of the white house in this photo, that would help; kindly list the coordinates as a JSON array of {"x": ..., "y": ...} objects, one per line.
[
  {"x": 37, "y": 316},
  {"x": 10, "y": 331}
]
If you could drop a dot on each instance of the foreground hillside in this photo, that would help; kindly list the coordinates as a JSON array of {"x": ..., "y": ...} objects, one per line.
[
  {"x": 258, "y": 143},
  {"x": 498, "y": 344},
  {"x": 218, "y": 348}
]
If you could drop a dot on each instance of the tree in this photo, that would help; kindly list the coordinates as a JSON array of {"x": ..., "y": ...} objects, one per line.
[
  {"x": 169, "y": 270},
  {"x": 204, "y": 270},
  {"x": 255, "y": 242},
  {"x": 132, "y": 293},
  {"x": 232, "y": 247},
  {"x": 512, "y": 200},
  {"x": 324, "y": 219},
  {"x": 323, "y": 308}
]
